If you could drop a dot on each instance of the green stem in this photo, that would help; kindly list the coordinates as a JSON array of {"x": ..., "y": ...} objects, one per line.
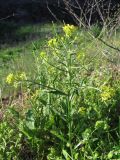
[{"x": 70, "y": 104}]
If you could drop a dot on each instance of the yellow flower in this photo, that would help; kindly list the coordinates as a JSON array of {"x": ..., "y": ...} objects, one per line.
[
  {"x": 69, "y": 30},
  {"x": 22, "y": 76},
  {"x": 52, "y": 42},
  {"x": 107, "y": 93},
  {"x": 10, "y": 78}
]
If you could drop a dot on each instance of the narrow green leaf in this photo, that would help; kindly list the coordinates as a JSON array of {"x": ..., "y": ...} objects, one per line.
[{"x": 59, "y": 136}]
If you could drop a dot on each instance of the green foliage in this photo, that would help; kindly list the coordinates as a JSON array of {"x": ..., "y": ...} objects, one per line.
[
  {"x": 10, "y": 139},
  {"x": 74, "y": 101}
]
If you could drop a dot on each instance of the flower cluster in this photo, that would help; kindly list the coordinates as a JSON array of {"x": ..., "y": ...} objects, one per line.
[
  {"x": 22, "y": 76},
  {"x": 107, "y": 93},
  {"x": 52, "y": 42},
  {"x": 69, "y": 30},
  {"x": 15, "y": 78},
  {"x": 10, "y": 78}
]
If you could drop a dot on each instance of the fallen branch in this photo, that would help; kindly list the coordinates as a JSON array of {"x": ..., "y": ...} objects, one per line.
[{"x": 1, "y": 19}]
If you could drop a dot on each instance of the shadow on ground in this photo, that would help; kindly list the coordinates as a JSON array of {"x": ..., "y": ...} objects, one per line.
[{"x": 13, "y": 33}]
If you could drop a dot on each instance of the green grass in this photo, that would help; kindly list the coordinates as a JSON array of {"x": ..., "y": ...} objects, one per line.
[
  {"x": 68, "y": 108},
  {"x": 17, "y": 47}
]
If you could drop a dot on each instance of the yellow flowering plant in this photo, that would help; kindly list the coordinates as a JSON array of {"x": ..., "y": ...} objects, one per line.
[
  {"x": 71, "y": 97},
  {"x": 22, "y": 76},
  {"x": 10, "y": 78},
  {"x": 107, "y": 92},
  {"x": 69, "y": 30},
  {"x": 52, "y": 42},
  {"x": 15, "y": 79}
]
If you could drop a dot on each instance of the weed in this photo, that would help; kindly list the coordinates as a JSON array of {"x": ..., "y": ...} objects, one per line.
[{"x": 74, "y": 100}]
